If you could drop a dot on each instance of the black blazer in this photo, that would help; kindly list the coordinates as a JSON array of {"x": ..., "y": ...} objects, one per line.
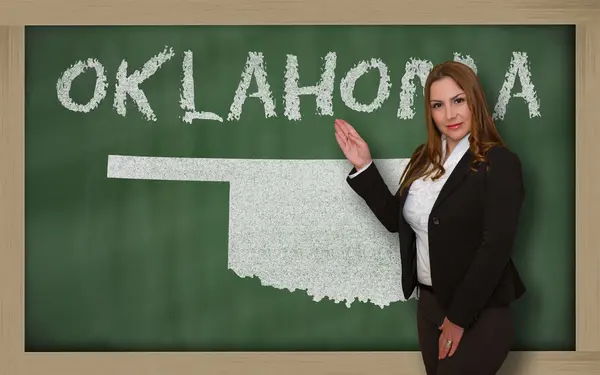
[{"x": 472, "y": 227}]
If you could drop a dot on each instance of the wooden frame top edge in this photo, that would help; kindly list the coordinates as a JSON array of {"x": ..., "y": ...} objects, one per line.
[{"x": 301, "y": 12}]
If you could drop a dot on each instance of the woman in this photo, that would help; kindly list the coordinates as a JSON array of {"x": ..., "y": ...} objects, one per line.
[{"x": 456, "y": 214}]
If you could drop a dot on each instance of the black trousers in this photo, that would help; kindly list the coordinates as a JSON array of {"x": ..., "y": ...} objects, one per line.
[{"x": 482, "y": 349}]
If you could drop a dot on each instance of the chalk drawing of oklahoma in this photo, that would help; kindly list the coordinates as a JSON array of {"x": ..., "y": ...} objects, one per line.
[{"x": 295, "y": 224}]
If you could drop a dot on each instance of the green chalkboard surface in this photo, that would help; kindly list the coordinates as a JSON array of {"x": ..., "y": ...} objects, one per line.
[{"x": 184, "y": 189}]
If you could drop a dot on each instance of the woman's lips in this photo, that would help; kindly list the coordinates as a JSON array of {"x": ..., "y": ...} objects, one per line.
[{"x": 454, "y": 126}]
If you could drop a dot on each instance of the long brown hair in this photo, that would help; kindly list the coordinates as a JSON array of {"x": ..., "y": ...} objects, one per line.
[{"x": 484, "y": 134}]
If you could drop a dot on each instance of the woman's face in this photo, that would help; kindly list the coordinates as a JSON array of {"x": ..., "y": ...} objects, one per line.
[{"x": 449, "y": 109}]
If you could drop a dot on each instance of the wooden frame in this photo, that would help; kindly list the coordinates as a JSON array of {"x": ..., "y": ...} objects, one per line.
[{"x": 14, "y": 15}]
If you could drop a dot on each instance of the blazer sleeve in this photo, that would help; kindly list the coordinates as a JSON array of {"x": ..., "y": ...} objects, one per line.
[
  {"x": 503, "y": 198},
  {"x": 369, "y": 185}
]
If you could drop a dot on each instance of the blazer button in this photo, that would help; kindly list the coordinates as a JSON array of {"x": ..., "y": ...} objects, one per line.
[{"x": 436, "y": 221}]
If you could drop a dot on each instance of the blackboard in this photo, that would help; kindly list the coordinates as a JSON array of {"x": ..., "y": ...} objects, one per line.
[{"x": 126, "y": 253}]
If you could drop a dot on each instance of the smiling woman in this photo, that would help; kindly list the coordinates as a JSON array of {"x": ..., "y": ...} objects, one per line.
[{"x": 460, "y": 197}]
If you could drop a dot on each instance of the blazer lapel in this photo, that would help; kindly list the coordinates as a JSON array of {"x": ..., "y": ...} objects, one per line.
[{"x": 456, "y": 177}]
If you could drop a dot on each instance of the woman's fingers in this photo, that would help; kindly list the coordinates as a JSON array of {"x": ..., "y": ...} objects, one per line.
[
  {"x": 351, "y": 133},
  {"x": 357, "y": 140},
  {"x": 350, "y": 129},
  {"x": 347, "y": 145},
  {"x": 346, "y": 128},
  {"x": 457, "y": 335},
  {"x": 443, "y": 349},
  {"x": 455, "y": 343},
  {"x": 342, "y": 141}
]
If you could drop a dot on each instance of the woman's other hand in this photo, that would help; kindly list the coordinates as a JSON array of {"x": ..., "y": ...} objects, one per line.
[{"x": 450, "y": 332}]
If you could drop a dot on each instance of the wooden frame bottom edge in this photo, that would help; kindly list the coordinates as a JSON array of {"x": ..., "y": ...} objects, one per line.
[{"x": 397, "y": 363}]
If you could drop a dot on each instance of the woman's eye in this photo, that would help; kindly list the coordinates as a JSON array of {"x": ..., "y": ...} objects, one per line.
[{"x": 460, "y": 100}]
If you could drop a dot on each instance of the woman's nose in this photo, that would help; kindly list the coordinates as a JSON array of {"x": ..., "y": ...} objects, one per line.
[{"x": 449, "y": 112}]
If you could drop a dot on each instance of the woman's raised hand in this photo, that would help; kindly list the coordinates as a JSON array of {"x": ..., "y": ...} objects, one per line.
[{"x": 353, "y": 146}]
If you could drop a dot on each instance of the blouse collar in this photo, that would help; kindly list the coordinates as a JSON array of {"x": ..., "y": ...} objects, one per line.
[{"x": 458, "y": 152}]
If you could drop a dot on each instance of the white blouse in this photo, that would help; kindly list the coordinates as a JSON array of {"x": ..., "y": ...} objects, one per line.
[{"x": 421, "y": 197}]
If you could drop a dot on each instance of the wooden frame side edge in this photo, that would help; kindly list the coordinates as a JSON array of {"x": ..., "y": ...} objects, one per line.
[{"x": 587, "y": 177}]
